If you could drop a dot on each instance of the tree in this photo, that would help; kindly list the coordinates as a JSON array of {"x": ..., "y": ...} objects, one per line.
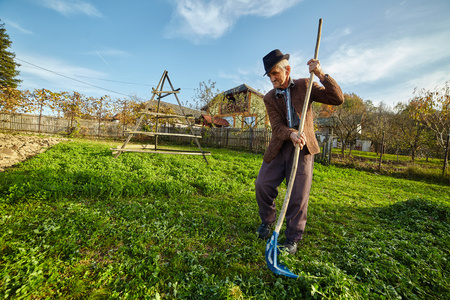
[
  {"x": 99, "y": 108},
  {"x": 8, "y": 71},
  {"x": 410, "y": 131},
  {"x": 126, "y": 110},
  {"x": 349, "y": 118},
  {"x": 12, "y": 100},
  {"x": 209, "y": 98},
  {"x": 323, "y": 110},
  {"x": 432, "y": 109},
  {"x": 39, "y": 99},
  {"x": 73, "y": 107},
  {"x": 378, "y": 122}
]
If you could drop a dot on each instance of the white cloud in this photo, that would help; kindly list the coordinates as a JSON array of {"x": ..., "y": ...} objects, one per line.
[
  {"x": 72, "y": 7},
  {"x": 389, "y": 70},
  {"x": 369, "y": 62},
  {"x": 380, "y": 70},
  {"x": 404, "y": 91},
  {"x": 199, "y": 19}
]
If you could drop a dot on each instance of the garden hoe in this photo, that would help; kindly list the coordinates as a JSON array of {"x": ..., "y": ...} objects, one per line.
[{"x": 272, "y": 249}]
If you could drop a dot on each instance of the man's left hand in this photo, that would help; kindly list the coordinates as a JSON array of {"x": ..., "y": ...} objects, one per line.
[
  {"x": 296, "y": 140},
  {"x": 314, "y": 66}
]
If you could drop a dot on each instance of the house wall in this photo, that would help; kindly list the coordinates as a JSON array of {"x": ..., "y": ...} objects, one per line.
[{"x": 256, "y": 109}]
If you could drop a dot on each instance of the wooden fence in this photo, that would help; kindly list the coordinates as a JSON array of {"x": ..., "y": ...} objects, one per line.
[
  {"x": 254, "y": 140},
  {"x": 55, "y": 125}
]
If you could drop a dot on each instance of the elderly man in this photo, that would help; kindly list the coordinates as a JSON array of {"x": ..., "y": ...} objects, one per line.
[{"x": 284, "y": 105}]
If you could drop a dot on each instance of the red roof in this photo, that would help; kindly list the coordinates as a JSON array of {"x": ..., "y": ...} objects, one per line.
[{"x": 217, "y": 121}]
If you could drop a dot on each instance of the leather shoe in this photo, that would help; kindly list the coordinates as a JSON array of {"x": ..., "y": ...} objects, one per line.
[
  {"x": 264, "y": 230},
  {"x": 290, "y": 246}
]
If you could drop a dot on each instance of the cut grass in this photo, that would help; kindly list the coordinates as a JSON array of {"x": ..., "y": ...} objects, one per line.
[{"x": 77, "y": 223}]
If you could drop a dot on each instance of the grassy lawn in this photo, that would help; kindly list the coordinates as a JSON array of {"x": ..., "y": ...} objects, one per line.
[{"x": 75, "y": 223}]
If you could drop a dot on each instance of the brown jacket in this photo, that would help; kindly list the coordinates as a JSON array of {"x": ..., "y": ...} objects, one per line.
[{"x": 330, "y": 93}]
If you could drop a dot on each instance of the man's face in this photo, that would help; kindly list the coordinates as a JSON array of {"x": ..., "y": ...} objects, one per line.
[{"x": 279, "y": 77}]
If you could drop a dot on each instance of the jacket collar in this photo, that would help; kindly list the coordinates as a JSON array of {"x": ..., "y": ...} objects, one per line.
[{"x": 281, "y": 91}]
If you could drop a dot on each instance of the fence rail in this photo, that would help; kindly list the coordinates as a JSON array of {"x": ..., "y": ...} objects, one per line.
[
  {"x": 55, "y": 125},
  {"x": 254, "y": 140}
]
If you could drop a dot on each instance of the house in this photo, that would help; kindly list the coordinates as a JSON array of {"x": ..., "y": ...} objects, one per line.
[
  {"x": 241, "y": 107},
  {"x": 324, "y": 127}
]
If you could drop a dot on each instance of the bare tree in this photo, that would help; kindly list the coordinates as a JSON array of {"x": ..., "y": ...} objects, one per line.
[
  {"x": 349, "y": 119},
  {"x": 208, "y": 98}
]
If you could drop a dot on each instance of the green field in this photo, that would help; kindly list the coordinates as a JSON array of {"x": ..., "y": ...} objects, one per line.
[{"x": 78, "y": 224}]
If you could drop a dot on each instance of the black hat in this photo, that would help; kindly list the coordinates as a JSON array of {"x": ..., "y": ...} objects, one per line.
[{"x": 271, "y": 59}]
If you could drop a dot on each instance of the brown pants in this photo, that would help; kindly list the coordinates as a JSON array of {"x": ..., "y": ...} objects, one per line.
[{"x": 271, "y": 175}]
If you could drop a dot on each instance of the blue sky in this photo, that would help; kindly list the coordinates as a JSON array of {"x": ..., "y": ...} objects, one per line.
[{"x": 380, "y": 50}]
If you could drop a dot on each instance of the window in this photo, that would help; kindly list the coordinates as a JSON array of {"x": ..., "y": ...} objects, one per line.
[
  {"x": 250, "y": 121},
  {"x": 230, "y": 120}
]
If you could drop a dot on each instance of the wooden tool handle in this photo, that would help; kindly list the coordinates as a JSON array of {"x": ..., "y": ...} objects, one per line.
[{"x": 300, "y": 131}]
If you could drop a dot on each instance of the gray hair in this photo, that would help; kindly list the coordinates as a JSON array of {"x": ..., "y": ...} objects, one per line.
[{"x": 283, "y": 64}]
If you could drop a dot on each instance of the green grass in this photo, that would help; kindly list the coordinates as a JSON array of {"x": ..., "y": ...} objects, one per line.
[
  {"x": 78, "y": 224},
  {"x": 423, "y": 169},
  {"x": 392, "y": 158}
]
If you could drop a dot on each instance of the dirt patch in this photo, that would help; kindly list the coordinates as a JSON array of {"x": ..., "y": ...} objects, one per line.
[{"x": 17, "y": 148}]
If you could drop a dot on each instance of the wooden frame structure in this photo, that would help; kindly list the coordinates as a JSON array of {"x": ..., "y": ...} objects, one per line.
[{"x": 159, "y": 93}]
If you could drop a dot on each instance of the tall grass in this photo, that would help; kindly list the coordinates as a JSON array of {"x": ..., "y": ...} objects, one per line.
[{"x": 78, "y": 224}]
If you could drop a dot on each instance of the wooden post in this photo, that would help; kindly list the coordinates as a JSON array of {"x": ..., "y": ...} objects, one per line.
[
  {"x": 157, "y": 111},
  {"x": 40, "y": 116},
  {"x": 446, "y": 156},
  {"x": 100, "y": 117},
  {"x": 381, "y": 152},
  {"x": 330, "y": 146},
  {"x": 324, "y": 150},
  {"x": 251, "y": 139},
  {"x": 226, "y": 142}
]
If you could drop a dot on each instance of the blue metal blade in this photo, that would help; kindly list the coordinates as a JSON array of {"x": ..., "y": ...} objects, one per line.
[{"x": 272, "y": 252}]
